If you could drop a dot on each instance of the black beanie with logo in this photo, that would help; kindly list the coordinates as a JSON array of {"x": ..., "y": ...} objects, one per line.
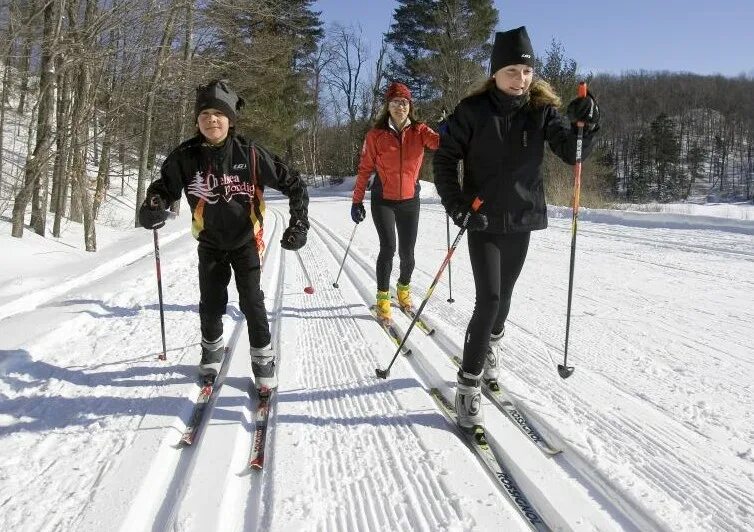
[
  {"x": 511, "y": 47},
  {"x": 217, "y": 95}
]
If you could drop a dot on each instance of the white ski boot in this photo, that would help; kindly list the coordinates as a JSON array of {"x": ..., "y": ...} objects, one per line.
[
  {"x": 469, "y": 401},
  {"x": 264, "y": 370},
  {"x": 212, "y": 357}
]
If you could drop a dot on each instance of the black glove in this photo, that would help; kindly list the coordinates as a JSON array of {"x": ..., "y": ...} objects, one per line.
[
  {"x": 152, "y": 214},
  {"x": 442, "y": 123},
  {"x": 295, "y": 236},
  {"x": 358, "y": 212},
  {"x": 476, "y": 221},
  {"x": 584, "y": 110}
]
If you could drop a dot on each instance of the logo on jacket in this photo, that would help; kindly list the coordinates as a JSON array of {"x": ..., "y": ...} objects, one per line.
[
  {"x": 212, "y": 188},
  {"x": 239, "y": 166}
]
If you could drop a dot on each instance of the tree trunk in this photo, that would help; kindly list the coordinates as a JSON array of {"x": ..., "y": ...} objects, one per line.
[
  {"x": 36, "y": 164},
  {"x": 149, "y": 112}
]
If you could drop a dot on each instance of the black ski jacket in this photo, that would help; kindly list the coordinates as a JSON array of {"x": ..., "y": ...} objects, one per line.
[
  {"x": 500, "y": 140},
  {"x": 225, "y": 188}
]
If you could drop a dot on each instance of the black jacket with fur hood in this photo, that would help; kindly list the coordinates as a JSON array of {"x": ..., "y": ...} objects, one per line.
[{"x": 500, "y": 139}]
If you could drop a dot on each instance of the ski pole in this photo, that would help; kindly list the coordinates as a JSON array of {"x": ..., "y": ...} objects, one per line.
[
  {"x": 383, "y": 373},
  {"x": 564, "y": 370},
  {"x": 162, "y": 356},
  {"x": 335, "y": 284},
  {"x": 309, "y": 289},
  {"x": 450, "y": 271}
]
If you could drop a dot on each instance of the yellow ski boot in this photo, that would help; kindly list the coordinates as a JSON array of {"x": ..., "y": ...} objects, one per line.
[
  {"x": 383, "y": 308},
  {"x": 404, "y": 295}
]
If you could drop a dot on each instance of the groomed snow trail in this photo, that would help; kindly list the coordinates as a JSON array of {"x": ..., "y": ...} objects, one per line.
[{"x": 655, "y": 425}]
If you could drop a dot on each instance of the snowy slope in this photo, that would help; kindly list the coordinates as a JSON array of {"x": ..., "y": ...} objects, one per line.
[{"x": 655, "y": 424}]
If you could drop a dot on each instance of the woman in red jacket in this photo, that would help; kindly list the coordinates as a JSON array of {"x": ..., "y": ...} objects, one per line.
[{"x": 393, "y": 150}]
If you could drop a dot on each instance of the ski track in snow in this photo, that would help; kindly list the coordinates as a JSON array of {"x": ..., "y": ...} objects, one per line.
[{"x": 656, "y": 422}]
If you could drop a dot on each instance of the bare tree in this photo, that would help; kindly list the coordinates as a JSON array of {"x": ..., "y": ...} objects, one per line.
[{"x": 36, "y": 162}]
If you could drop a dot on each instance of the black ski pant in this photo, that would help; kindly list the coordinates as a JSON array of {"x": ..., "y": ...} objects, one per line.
[
  {"x": 387, "y": 217},
  {"x": 214, "y": 275},
  {"x": 496, "y": 262}
]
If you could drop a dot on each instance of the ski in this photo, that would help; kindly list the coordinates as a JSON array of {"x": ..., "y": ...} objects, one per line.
[
  {"x": 478, "y": 443},
  {"x": 259, "y": 440},
  {"x": 391, "y": 330},
  {"x": 500, "y": 399},
  {"x": 410, "y": 313},
  {"x": 208, "y": 385},
  {"x": 197, "y": 414}
]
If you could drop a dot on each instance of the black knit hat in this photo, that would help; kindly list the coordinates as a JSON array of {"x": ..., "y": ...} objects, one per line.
[
  {"x": 218, "y": 95},
  {"x": 511, "y": 47}
]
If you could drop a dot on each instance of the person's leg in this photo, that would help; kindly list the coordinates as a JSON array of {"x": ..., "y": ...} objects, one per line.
[
  {"x": 407, "y": 224},
  {"x": 214, "y": 276},
  {"x": 513, "y": 248},
  {"x": 384, "y": 223},
  {"x": 485, "y": 266},
  {"x": 247, "y": 268}
]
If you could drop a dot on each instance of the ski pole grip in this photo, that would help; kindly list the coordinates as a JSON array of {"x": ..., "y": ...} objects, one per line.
[
  {"x": 582, "y": 89},
  {"x": 476, "y": 203}
]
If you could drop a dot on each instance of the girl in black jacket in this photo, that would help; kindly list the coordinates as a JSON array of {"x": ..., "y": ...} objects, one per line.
[{"x": 499, "y": 133}]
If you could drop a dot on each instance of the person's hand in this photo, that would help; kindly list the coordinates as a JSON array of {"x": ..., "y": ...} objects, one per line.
[
  {"x": 442, "y": 122},
  {"x": 152, "y": 213},
  {"x": 358, "y": 213},
  {"x": 584, "y": 110},
  {"x": 464, "y": 216},
  {"x": 294, "y": 237}
]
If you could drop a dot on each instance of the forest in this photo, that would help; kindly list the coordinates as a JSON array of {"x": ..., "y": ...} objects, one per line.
[{"x": 102, "y": 88}]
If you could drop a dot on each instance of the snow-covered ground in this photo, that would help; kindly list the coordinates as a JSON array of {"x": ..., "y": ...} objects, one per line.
[{"x": 656, "y": 424}]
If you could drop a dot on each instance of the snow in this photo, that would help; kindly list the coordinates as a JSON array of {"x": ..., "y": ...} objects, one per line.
[{"x": 656, "y": 424}]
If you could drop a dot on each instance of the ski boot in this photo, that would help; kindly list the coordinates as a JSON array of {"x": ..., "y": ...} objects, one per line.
[
  {"x": 492, "y": 361},
  {"x": 403, "y": 291},
  {"x": 212, "y": 358},
  {"x": 383, "y": 309},
  {"x": 264, "y": 369},
  {"x": 469, "y": 401}
]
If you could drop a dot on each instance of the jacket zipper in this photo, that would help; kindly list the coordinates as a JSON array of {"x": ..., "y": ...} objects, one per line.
[{"x": 400, "y": 166}]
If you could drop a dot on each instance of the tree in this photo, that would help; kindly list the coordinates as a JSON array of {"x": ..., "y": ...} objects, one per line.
[{"x": 440, "y": 47}]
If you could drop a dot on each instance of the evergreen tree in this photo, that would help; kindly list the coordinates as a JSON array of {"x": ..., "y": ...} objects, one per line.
[
  {"x": 667, "y": 155},
  {"x": 266, "y": 49},
  {"x": 440, "y": 46}
]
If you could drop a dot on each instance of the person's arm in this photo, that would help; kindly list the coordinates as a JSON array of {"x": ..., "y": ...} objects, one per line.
[
  {"x": 430, "y": 138},
  {"x": 561, "y": 133},
  {"x": 454, "y": 143},
  {"x": 367, "y": 165},
  {"x": 278, "y": 175},
  {"x": 161, "y": 193}
]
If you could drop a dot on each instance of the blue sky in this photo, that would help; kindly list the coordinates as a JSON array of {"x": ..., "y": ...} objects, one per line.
[{"x": 700, "y": 36}]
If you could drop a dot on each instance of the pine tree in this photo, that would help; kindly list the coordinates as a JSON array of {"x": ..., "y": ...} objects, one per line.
[{"x": 440, "y": 46}]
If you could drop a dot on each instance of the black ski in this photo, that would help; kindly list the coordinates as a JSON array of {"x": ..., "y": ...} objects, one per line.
[
  {"x": 504, "y": 402},
  {"x": 197, "y": 414},
  {"x": 478, "y": 443},
  {"x": 421, "y": 323},
  {"x": 208, "y": 384},
  {"x": 391, "y": 330},
  {"x": 259, "y": 439}
]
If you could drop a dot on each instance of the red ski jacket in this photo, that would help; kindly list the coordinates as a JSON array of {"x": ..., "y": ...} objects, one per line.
[{"x": 396, "y": 158}]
